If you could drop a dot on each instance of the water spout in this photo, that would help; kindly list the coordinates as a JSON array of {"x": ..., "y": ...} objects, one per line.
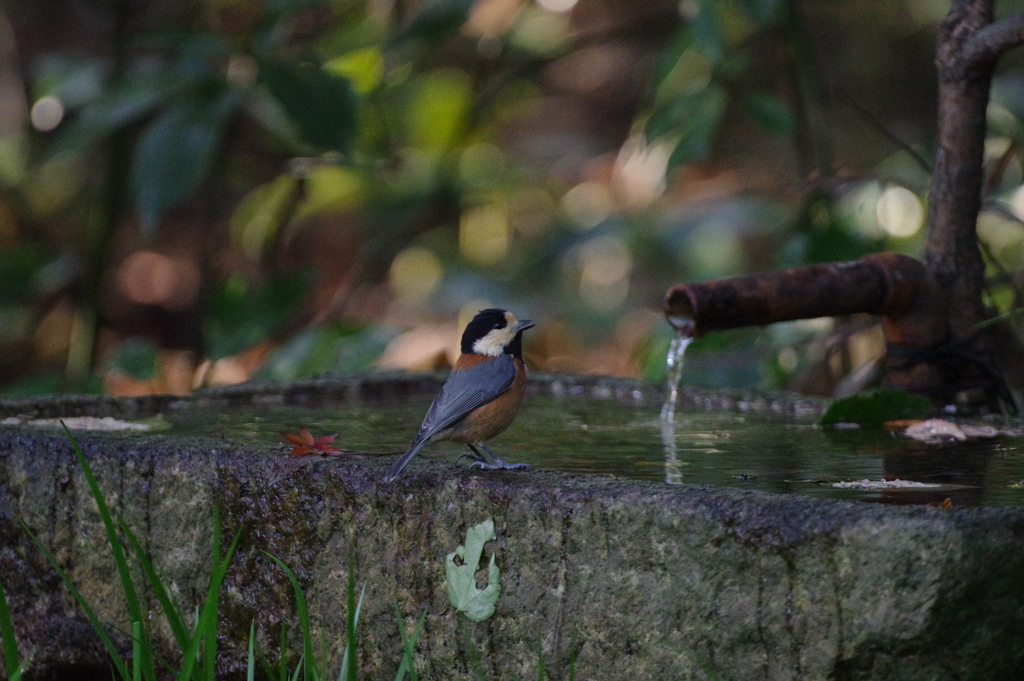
[
  {"x": 674, "y": 368},
  {"x": 674, "y": 373},
  {"x": 913, "y": 308}
]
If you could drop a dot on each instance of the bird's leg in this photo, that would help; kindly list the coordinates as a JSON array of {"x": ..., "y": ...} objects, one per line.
[
  {"x": 477, "y": 457},
  {"x": 498, "y": 463}
]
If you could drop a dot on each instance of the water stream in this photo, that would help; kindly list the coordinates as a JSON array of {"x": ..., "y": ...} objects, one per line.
[{"x": 674, "y": 374}]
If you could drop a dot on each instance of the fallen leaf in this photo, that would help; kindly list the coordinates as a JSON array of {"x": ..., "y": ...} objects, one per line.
[
  {"x": 935, "y": 430},
  {"x": 476, "y": 604},
  {"x": 306, "y": 444},
  {"x": 980, "y": 431},
  {"x": 946, "y": 503}
]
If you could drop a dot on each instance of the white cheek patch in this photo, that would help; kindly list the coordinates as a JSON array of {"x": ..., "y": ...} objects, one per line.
[{"x": 494, "y": 343}]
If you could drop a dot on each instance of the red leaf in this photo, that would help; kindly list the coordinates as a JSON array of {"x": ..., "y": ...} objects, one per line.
[{"x": 305, "y": 443}]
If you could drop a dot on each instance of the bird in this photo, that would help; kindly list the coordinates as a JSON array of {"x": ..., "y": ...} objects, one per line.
[{"x": 482, "y": 394}]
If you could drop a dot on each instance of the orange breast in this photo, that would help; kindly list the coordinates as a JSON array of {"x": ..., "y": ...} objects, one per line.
[{"x": 493, "y": 418}]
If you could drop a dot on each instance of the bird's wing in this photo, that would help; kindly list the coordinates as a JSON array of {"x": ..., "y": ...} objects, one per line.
[{"x": 463, "y": 392}]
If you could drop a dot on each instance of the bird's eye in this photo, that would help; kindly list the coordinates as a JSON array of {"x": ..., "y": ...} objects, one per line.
[{"x": 498, "y": 325}]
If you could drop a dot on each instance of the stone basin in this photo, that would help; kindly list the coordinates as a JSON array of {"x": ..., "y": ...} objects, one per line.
[{"x": 636, "y": 579}]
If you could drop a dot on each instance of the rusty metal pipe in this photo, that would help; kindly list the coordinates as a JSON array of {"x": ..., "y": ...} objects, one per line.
[
  {"x": 883, "y": 283},
  {"x": 897, "y": 287}
]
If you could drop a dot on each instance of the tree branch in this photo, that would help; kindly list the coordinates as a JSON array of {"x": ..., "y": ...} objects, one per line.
[{"x": 984, "y": 47}]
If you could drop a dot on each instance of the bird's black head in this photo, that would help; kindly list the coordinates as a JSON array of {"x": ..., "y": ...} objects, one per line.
[{"x": 495, "y": 332}]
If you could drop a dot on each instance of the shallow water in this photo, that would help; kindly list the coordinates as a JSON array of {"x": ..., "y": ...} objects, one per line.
[{"x": 771, "y": 454}]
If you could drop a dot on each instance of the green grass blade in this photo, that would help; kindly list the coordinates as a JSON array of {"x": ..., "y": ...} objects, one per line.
[
  {"x": 540, "y": 662},
  {"x": 170, "y": 608},
  {"x": 471, "y": 650},
  {"x": 134, "y": 610},
  {"x": 115, "y": 657},
  {"x": 206, "y": 623},
  {"x": 12, "y": 659},
  {"x": 348, "y": 658},
  {"x": 301, "y": 667},
  {"x": 408, "y": 646},
  {"x": 300, "y": 607},
  {"x": 250, "y": 671},
  {"x": 137, "y": 651},
  {"x": 352, "y": 668}
]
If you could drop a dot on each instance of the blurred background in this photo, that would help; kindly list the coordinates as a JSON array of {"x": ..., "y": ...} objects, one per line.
[{"x": 203, "y": 192}]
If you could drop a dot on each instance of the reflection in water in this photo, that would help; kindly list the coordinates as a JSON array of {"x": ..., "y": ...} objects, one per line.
[
  {"x": 764, "y": 452},
  {"x": 962, "y": 467}
]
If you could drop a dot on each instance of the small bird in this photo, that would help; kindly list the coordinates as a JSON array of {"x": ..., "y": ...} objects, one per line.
[{"x": 482, "y": 394}]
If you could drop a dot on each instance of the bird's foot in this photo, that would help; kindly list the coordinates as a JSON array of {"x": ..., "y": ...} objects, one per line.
[
  {"x": 477, "y": 458},
  {"x": 499, "y": 466}
]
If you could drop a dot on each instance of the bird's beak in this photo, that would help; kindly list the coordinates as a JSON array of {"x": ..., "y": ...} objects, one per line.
[{"x": 524, "y": 324}]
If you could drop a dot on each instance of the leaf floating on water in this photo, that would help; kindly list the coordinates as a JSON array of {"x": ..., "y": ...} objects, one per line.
[
  {"x": 939, "y": 430},
  {"x": 876, "y": 407},
  {"x": 476, "y": 604},
  {"x": 981, "y": 431},
  {"x": 306, "y": 444},
  {"x": 934, "y": 430}
]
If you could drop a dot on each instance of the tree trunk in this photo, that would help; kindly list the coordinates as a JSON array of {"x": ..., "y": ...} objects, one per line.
[
  {"x": 969, "y": 44},
  {"x": 951, "y": 252}
]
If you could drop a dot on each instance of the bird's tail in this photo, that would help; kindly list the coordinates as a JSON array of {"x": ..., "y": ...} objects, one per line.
[{"x": 404, "y": 459}]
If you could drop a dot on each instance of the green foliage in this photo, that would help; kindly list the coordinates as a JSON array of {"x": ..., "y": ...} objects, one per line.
[
  {"x": 823, "y": 235},
  {"x": 175, "y": 153},
  {"x": 136, "y": 357},
  {"x": 408, "y": 646},
  {"x": 262, "y": 215},
  {"x": 349, "y": 665},
  {"x": 771, "y": 112},
  {"x": 241, "y": 316},
  {"x": 435, "y": 21},
  {"x": 330, "y": 349},
  {"x": 12, "y": 659},
  {"x": 876, "y": 407},
  {"x": 311, "y": 671},
  {"x": 322, "y": 105},
  {"x": 123, "y": 103},
  {"x": 463, "y": 594},
  {"x": 20, "y": 266},
  {"x": 204, "y": 635}
]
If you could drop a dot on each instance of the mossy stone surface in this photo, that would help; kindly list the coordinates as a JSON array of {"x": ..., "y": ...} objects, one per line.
[{"x": 643, "y": 580}]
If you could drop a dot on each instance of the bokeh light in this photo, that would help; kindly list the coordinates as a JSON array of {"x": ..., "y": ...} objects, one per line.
[
  {"x": 587, "y": 204},
  {"x": 1004, "y": 237},
  {"x": 150, "y": 278},
  {"x": 484, "y": 233},
  {"x": 557, "y": 6},
  {"x": 1017, "y": 203},
  {"x": 900, "y": 212},
  {"x": 605, "y": 266},
  {"x": 415, "y": 274},
  {"x": 639, "y": 174},
  {"x": 46, "y": 113}
]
